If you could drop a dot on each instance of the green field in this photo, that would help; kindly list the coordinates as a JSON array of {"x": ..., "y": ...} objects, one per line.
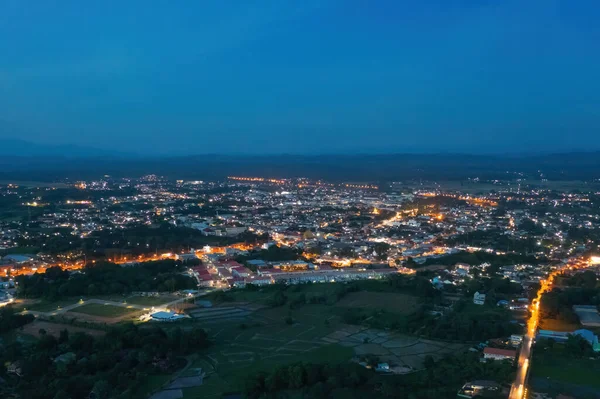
[
  {"x": 150, "y": 300},
  {"x": 397, "y": 303},
  {"x": 559, "y": 366},
  {"x": 154, "y": 382},
  {"x": 43, "y": 305},
  {"x": 308, "y": 327},
  {"x": 95, "y": 309},
  {"x": 46, "y": 306},
  {"x": 264, "y": 342}
]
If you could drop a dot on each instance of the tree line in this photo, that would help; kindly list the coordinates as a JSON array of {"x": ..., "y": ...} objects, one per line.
[
  {"x": 579, "y": 289},
  {"x": 479, "y": 257},
  {"x": 439, "y": 379},
  {"x": 133, "y": 240},
  {"x": 10, "y": 320},
  {"x": 78, "y": 365},
  {"x": 105, "y": 278}
]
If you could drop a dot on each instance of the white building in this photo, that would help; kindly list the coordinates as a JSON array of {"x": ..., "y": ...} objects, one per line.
[
  {"x": 167, "y": 316},
  {"x": 499, "y": 354},
  {"x": 478, "y": 299},
  {"x": 516, "y": 340}
]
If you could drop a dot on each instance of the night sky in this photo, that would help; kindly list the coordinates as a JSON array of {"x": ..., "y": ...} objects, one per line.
[{"x": 309, "y": 76}]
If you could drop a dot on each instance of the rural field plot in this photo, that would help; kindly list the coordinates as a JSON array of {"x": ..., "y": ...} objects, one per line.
[
  {"x": 554, "y": 368},
  {"x": 55, "y": 329},
  {"x": 405, "y": 352},
  {"x": 558, "y": 325},
  {"x": 45, "y": 306},
  {"x": 265, "y": 341},
  {"x": 268, "y": 337},
  {"x": 100, "y": 310},
  {"x": 220, "y": 314},
  {"x": 391, "y": 302},
  {"x": 150, "y": 300}
]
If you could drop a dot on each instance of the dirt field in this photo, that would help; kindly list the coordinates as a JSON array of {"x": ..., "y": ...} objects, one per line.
[
  {"x": 55, "y": 329},
  {"x": 391, "y": 302},
  {"x": 558, "y": 325}
]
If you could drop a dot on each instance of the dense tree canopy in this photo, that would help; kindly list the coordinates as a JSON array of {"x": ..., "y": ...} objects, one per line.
[
  {"x": 133, "y": 240},
  {"x": 470, "y": 322},
  {"x": 105, "y": 278},
  {"x": 558, "y": 303},
  {"x": 274, "y": 253},
  {"x": 440, "y": 379},
  {"x": 477, "y": 258},
  {"x": 495, "y": 239},
  {"x": 10, "y": 320},
  {"x": 113, "y": 366}
]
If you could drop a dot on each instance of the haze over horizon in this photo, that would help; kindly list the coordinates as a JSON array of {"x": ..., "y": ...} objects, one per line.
[{"x": 310, "y": 78}]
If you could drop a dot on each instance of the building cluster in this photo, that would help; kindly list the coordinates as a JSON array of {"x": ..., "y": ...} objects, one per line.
[
  {"x": 341, "y": 222},
  {"x": 341, "y": 231},
  {"x": 217, "y": 272}
]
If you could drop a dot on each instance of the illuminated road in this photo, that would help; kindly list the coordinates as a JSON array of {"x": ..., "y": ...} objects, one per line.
[
  {"x": 12, "y": 271},
  {"x": 518, "y": 388}
]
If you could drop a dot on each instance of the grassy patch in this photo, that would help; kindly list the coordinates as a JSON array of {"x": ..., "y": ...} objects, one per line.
[
  {"x": 55, "y": 329},
  {"x": 213, "y": 387},
  {"x": 49, "y": 306},
  {"x": 233, "y": 370},
  {"x": 397, "y": 303},
  {"x": 95, "y": 309},
  {"x": 18, "y": 336},
  {"x": 556, "y": 365},
  {"x": 558, "y": 325},
  {"x": 267, "y": 342},
  {"x": 149, "y": 300},
  {"x": 154, "y": 382}
]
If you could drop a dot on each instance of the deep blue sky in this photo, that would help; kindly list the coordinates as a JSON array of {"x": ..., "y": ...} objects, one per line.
[{"x": 309, "y": 76}]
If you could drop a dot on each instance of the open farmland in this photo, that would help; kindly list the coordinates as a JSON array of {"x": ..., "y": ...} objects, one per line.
[
  {"x": 249, "y": 338},
  {"x": 221, "y": 313},
  {"x": 260, "y": 340}
]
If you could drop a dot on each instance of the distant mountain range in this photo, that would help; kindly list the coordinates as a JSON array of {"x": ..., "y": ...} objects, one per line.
[
  {"x": 22, "y": 148},
  {"x": 22, "y": 160}
]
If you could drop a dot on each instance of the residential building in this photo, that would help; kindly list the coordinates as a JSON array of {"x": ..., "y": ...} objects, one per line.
[
  {"x": 478, "y": 299},
  {"x": 499, "y": 354}
]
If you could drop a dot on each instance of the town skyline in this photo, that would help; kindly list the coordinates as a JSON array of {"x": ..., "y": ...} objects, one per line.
[{"x": 471, "y": 287}]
